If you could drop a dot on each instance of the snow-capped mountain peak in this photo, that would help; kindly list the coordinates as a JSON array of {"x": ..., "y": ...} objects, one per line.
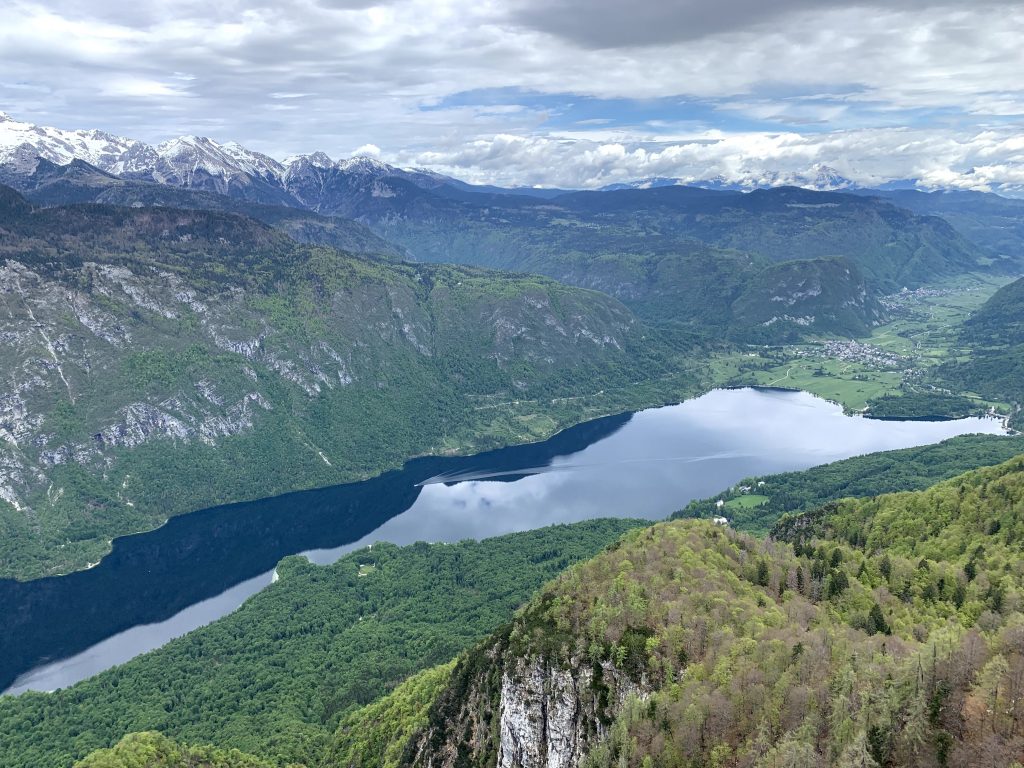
[
  {"x": 314, "y": 160},
  {"x": 828, "y": 178},
  {"x": 254, "y": 162},
  {"x": 21, "y": 142},
  {"x": 363, "y": 164}
]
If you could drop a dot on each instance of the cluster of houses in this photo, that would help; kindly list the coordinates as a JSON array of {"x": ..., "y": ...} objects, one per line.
[
  {"x": 857, "y": 352},
  {"x": 720, "y": 504}
]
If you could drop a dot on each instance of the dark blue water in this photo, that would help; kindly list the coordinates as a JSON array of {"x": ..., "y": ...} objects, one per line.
[{"x": 198, "y": 567}]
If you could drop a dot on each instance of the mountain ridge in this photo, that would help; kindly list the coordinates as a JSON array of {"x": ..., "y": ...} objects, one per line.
[{"x": 141, "y": 337}]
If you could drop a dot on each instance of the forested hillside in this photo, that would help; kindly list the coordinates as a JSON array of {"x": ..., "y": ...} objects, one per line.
[
  {"x": 277, "y": 677},
  {"x": 992, "y": 221},
  {"x": 994, "y": 336},
  {"x": 79, "y": 182},
  {"x": 867, "y": 633},
  {"x": 773, "y": 657},
  {"x": 674, "y": 254},
  {"x": 154, "y": 750},
  {"x": 695, "y": 256},
  {"x": 756, "y": 503},
  {"x": 158, "y": 361}
]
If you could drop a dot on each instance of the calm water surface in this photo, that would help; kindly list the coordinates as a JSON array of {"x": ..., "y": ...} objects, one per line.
[{"x": 199, "y": 567}]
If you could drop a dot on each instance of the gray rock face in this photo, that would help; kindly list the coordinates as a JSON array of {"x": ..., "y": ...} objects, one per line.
[
  {"x": 544, "y": 713},
  {"x": 134, "y": 342},
  {"x": 551, "y": 714},
  {"x": 543, "y": 710}
]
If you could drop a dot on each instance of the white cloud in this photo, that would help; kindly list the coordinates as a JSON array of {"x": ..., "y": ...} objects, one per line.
[
  {"x": 868, "y": 156},
  {"x": 367, "y": 150},
  {"x": 302, "y": 75}
]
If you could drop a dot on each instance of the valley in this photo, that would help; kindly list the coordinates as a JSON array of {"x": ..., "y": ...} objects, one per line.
[
  {"x": 643, "y": 465},
  {"x": 899, "y": 357},
  {"x": 338, "y": 464}
]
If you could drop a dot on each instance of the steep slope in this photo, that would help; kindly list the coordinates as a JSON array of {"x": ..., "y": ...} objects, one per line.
[
  {"x": 683, "y": 644},
  {"x": 652, "y": 247},
  {"x": 992, "y": 221},
  {"x": 79, "y": 182},
  {"x": 277, "y": 677},
  {"x": 197, "y": 162},
  {"x": 22, "y": 144},
  {"x": 892, "y": 247},
  {"x": 994, "y": 337},
  {"x": 617, "y": 239},
  {"x": 888, "y": 634},
  {"x": 138, "y": 340},
  {"x": 1001, "y": 319},
  {"x": 908, "y": 469},
  {"x": 824, "y": 295}
]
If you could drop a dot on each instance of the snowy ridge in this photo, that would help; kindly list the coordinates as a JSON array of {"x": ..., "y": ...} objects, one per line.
[
  {"x": 21, "y": 143},
  {"x": 184, "y": 161},
  {"x": 201, "y": 162}
]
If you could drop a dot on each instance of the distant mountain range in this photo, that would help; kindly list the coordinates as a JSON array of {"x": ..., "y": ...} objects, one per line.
[
  {"x": 194, "y": 162},
  {"x": 199, "y": 162},
  {"x": 819, "y": 177},
  {"x": 761, "y": 264}
]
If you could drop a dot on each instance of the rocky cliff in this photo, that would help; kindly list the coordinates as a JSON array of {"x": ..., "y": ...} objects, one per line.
[
  {"x": 158, "y": 360},
  {"x": 537, "y": 710}
]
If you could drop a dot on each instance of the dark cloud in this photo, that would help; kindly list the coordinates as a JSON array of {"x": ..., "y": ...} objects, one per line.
[{"x": 615, "y": 23}]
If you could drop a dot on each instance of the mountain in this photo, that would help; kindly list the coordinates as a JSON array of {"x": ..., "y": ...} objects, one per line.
[
  {"x": 822, "y": 178},
  {"x": 200, "y": 163},
  {"x": 659, "y": 246},
  {"x": 22, "y": 143},
  {"x": 994, "y": 337},
  {"x": 197, "y": 162},
  {"x": 890, "y": 245},
  {"x": 992, "y": 221},
  {"x": 824, "y": 295},
  {"x": 893, "y": 247},
  {"x": 689, "y": 644},
  {"x": 138, "y": 339},
  {"x": 188, "y": 161},
  {"x": 649, "y": 183},
  {"x": 78, "y": 182},
  {"x": 683, "y": 254}
]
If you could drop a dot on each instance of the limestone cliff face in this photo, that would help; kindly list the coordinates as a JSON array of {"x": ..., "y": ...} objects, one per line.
[
  {"x": 506, "y": 710},
  {"x": 137, "y": 346}
]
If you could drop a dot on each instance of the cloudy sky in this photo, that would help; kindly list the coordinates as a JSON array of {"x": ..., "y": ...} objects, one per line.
[{"x": 552, "y": 92}]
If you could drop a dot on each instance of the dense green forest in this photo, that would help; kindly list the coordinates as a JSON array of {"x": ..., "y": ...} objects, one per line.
[
  {"x": 772, "y": 496},
  {"x": 154, "y": 750},
  {"x": 277, "y": 677},
  {"x": 162, "y": 361},
  {"x": 297, "y": 676},
  {"x": 928, "y": 406},
  {"x": 994, "y": 336},
  {"x": 765, "y": 267},
  {"x": 879, "y": 632}
]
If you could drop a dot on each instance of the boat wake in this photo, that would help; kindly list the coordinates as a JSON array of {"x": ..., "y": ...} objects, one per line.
[{"x": 449, "y": 478}]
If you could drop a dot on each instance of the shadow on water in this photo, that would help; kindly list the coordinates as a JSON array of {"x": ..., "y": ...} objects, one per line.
[{"x": 151, "y": 576}]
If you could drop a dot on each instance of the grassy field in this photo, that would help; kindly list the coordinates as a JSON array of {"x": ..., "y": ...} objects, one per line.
[
  {"x": 747, "y": 501},
  {"x": 895, "y": 357}
]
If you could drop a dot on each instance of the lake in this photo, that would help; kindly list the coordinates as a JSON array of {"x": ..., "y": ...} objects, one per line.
[{"x": 198, "y": 567}]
